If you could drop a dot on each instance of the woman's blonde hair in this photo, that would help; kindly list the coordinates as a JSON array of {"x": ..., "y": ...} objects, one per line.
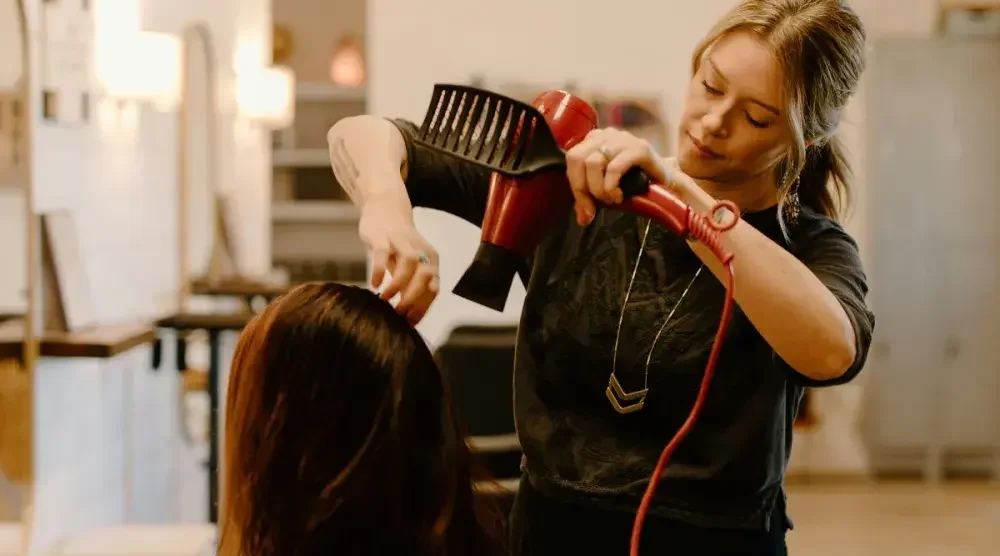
[{"x": 820, "y": 45}]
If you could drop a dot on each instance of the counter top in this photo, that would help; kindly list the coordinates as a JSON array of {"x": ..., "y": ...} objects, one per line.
[
  {"x": 100, "y": 342},
  {"x": 243, "y": 287}
]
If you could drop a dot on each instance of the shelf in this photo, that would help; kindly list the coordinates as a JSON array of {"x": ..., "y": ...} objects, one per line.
[
  {"x": 300, "y": 158},
  {"x": 335, "y": 212},
  {"x": 206, "y": 321},
  {"x": 236, "y": 287},
  {"x": 328, "y": 92},
  {"x": 100, "y": 342}
]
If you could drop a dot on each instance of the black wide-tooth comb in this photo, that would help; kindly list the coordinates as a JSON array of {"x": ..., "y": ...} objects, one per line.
[{"x": 499, "y": 133}]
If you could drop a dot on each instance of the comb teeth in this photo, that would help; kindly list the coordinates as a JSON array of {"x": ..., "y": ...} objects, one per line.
[{"x": 479, "y": 126}]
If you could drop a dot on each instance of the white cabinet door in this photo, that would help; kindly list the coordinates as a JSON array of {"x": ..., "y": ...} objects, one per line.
[{"x": 934, "y": 151}]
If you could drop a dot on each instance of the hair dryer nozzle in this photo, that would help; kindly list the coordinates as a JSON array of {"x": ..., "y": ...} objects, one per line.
[{"x": 488, "y": 279}]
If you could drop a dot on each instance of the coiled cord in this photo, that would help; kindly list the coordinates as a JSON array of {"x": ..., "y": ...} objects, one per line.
[{"x": 704, "y": 229}]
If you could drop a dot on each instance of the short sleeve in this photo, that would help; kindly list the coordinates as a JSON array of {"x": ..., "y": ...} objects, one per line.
[
  {"x": 442, "y": 182},
  {"x": 833, "y": 256}
]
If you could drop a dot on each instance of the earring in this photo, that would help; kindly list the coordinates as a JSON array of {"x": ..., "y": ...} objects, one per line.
[{"x": 791, "y": 207}]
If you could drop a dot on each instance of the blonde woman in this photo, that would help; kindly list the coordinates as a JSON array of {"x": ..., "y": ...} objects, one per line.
[{"x": 612, "y": 299}]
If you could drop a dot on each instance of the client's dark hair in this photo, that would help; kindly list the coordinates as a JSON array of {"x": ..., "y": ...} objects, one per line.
[{"x": 341, "y": 438}]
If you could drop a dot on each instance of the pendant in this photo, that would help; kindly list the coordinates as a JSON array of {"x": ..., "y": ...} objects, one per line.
[{"x": 615, "y": 393}]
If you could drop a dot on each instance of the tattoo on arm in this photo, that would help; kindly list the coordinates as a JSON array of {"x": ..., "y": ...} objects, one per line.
[{"x": 344, "y": 168}]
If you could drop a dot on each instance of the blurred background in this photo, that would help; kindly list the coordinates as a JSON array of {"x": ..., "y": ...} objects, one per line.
[{"x": 164, "y": 173}]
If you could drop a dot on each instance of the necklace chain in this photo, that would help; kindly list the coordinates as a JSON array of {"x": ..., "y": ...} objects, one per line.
[{"x": 615, "y": 393}]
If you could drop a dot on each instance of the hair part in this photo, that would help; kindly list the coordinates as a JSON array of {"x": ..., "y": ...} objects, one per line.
[{"x": 820, "y": 45}]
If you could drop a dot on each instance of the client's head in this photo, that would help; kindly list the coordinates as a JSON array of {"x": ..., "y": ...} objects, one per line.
[{"x": 340, "y": 437}]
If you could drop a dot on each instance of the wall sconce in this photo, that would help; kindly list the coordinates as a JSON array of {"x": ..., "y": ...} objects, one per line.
[
  {"x": 143, "y": 66},
  {"x": 267, "y": 96}
]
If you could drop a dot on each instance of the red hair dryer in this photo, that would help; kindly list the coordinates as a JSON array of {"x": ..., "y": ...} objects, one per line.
[
  {"x": 521, "y": 210},
  {"x": 525, "y": 147},
  {"x": 529, "y": 192}
]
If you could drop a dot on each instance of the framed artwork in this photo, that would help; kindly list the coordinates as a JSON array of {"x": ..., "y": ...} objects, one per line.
[
  {"x": 69, "y": 303},
  {"x": 640, "y": 115}
]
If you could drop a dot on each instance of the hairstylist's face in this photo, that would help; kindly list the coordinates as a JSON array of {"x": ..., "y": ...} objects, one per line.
[{"x": 734, "y": 125}]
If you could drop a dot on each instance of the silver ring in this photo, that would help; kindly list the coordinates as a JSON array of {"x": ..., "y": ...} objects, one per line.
[{"x": 423, "y": 258}]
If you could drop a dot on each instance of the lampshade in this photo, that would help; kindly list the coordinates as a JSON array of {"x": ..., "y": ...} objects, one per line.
[
  {"x": 143, "y": 66},
  {"x": 267, "y": 96},
  {"x": 347, "y": 67}
]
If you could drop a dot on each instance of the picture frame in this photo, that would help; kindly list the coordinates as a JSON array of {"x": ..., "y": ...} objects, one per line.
[
  {"x": 639, "y": 114},
  {"x": 68, "y": 302}
]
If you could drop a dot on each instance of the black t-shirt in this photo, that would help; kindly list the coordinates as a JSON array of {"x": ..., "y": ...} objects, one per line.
[{"x": 728, "y": 471}]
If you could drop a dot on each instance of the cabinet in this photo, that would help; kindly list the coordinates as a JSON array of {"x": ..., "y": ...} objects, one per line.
[
  {"x": 933, "y": 126},
  {"x": 314, "y": 224}
]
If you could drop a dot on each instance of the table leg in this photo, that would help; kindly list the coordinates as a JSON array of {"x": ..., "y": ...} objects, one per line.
[{"x": 213, "y": 426}]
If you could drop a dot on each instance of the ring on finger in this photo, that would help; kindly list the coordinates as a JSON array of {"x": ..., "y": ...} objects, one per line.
[{"x": 423, "y": 257}]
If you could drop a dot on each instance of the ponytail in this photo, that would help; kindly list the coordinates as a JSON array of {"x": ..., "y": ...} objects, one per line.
[{"x": 825, "y": 181}]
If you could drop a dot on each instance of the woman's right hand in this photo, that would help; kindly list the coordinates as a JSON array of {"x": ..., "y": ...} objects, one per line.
[{"x": 387, "y": 229}]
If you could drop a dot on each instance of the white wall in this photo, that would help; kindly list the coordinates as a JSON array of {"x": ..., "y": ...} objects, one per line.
[
  {"x": 627, "y": 46},
  {"x": 12, "y": 203},
  {"x": 107, "y": 446},
  {"x": 13, "y": 278}
]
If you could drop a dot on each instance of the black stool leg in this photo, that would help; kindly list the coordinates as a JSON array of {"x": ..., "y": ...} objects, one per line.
[{"x": 213, "y": 426}]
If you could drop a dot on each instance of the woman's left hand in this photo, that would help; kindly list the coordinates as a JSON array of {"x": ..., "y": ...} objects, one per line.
[{"x": 595, "y": 165}]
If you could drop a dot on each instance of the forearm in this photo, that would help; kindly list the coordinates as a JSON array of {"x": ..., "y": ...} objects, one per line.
[
  {"x": 368, "y": 157},
  {"x": 793, "y": 310}
]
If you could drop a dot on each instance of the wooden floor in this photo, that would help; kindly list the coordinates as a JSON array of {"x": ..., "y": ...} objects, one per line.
[{"x": 895, "y": 519}]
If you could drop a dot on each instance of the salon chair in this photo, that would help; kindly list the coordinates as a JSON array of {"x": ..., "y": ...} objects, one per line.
[{"x": 478, "y": 361}]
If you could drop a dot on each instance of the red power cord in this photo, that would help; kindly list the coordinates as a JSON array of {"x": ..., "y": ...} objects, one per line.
[{"x": 704, "y": 229}]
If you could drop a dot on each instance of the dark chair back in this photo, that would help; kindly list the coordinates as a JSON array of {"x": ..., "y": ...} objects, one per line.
[{"x": 478, "y": 362}]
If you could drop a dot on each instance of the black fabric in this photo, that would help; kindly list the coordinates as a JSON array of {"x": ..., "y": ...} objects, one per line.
[
  {"x": 540, "y": 526},
  {"x": 728, "y": 472}
]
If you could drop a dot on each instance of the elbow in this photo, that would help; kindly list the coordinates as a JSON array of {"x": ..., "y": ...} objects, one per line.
[
  {"x": 835, "y": 358},
  {"x": 833, "y": 363},
  {"x": 837, "y": 363}
]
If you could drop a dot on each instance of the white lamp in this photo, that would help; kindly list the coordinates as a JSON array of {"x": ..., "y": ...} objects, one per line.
[
  {"x": 143, "y": 66},
  {"x": 267, "y": 96}
]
